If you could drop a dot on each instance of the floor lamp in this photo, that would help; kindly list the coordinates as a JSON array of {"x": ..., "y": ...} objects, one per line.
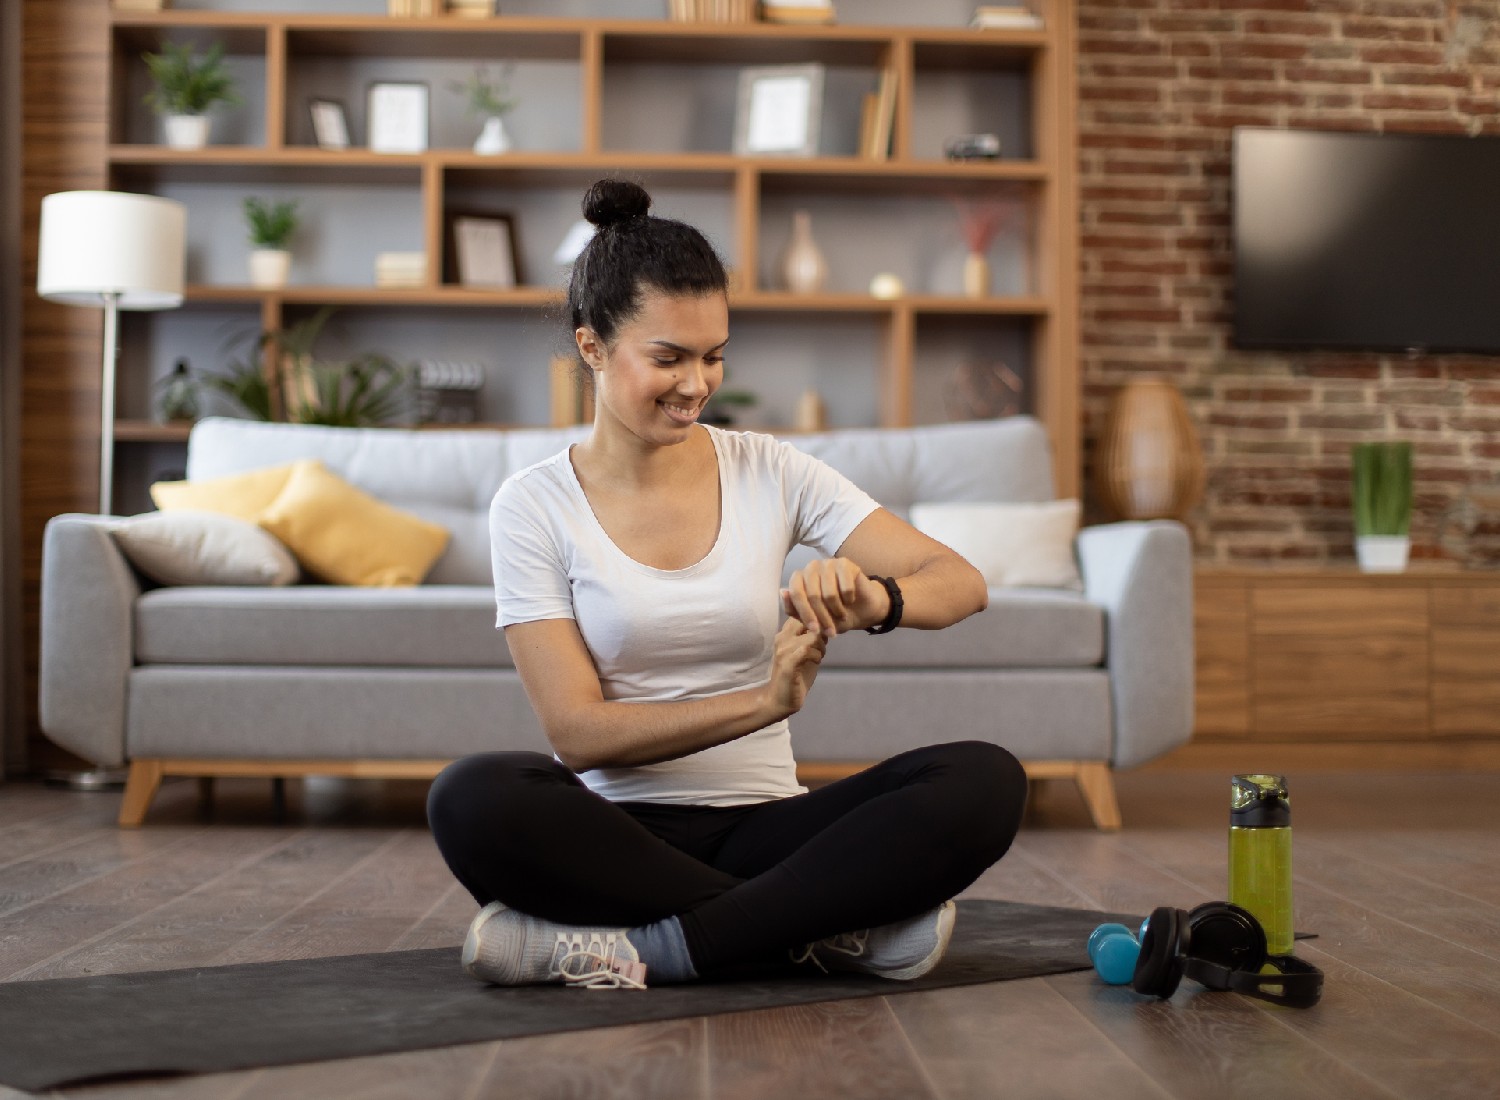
[{"x": 119, "y": 251}]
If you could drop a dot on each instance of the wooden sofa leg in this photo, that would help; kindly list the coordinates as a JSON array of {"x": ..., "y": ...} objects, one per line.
[
  {"x": 1097, "y": 785},
  {"x": 140, "y": 789}
]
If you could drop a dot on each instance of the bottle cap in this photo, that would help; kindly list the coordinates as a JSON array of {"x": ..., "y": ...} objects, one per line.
[{"x": 1259, "y": 802}]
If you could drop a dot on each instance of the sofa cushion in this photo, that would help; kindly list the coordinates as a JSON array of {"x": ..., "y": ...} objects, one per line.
[
  {"x": 189, "y": 547},
  {"x": 347, "y": 536},
  {"x": 1012, "y": 544},
  {"x": 1022, "y": 628},
  {"x": 243, "y": 495},
  {"x": 431, "y": 626}
]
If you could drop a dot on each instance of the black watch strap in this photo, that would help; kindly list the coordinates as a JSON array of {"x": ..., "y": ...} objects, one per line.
[{"x": 893, "y": 617}]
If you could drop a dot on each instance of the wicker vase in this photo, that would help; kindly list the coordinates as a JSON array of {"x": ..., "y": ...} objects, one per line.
[{"x": 1148, "y": 464}]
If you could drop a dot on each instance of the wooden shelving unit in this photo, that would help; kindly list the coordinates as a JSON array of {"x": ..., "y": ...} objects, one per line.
[{"x": 603, "y": 61}]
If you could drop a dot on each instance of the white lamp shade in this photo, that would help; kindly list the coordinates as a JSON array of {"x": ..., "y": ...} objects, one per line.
[{"x": 95, "y": 243}]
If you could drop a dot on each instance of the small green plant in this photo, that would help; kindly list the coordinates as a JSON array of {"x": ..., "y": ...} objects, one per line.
[
  {"x": 358, "y": 391},
  {"x": 271, "y": 223},
  {"x": 487, "y": 96},
  {"x": 1382, "y": 488},
  {"x": 187, "y": 84}
]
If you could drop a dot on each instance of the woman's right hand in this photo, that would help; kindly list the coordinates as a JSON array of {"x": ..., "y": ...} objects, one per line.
[{"x": 794, "y": 667}]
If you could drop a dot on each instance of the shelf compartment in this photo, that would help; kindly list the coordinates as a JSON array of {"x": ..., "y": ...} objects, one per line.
[
  {"x": 960, "y": 365},
  {"x": 245, "y": 57}
]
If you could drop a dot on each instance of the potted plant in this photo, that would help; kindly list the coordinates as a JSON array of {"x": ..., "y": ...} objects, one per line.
[
  {"x": 352, "y": 392},
  {"x": 186, "y": 87},
  {"x": 1382, "y": 506},
  {"x": 488, "y": 97},
  {"x": 271, "y": 226}
]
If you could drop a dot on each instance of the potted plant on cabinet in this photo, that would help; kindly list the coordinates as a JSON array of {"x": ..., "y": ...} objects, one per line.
[
  {"x": 271, "y": 227},
  {"x": 488, "y": 97},
  {"x": 186, "y": 87},
  {"x": 1382, "y": 506}
]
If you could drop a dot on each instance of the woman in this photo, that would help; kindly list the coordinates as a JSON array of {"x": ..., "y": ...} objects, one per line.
[{"x": 637, "y": 578}]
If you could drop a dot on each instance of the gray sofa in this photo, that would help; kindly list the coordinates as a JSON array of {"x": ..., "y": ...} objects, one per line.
[{"x": 318, "y": 679}]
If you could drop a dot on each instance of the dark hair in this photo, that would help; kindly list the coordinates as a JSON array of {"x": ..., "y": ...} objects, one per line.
[{"x": 631, "y": 251}]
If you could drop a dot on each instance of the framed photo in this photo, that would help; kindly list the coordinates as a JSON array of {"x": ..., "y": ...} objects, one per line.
[
  {"x": 483, "y": 250},
  {"x": 330, "y": 124},
  {"x": 397, "y": 119},
  {"x": 778, "y": 109}
]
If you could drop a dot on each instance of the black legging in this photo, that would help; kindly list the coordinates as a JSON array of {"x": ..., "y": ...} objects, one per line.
[{"x": 746, "y": 882}]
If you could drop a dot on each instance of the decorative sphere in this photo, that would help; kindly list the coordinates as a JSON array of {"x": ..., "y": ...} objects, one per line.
[{"x": 886, "y": 286}]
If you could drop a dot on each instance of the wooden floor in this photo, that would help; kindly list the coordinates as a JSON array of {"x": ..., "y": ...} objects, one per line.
[{"x": 1398, "y": 875}]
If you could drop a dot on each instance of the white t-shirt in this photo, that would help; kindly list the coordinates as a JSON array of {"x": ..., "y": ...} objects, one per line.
[{"x": 658, "y": 635}]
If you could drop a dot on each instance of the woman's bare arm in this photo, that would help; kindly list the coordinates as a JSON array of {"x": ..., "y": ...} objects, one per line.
[
  {"x": 938, "y": 587},
  {"x": 587, "y": 731}
]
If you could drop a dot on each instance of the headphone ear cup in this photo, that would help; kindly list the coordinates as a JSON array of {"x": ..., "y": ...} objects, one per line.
[
  {"x": 1227, "y": 936},
  {"x": 1159, "y": 969}
]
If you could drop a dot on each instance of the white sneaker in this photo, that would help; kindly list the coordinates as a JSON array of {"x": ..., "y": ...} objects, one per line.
[
  {"x": 506, "y": 947},
  {"x": 900, "y": 951}
]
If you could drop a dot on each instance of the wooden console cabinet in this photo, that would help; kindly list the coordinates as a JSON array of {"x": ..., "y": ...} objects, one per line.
[{"x": 1349, "y": 667}]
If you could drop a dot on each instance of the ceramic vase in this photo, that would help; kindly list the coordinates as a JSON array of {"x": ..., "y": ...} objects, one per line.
[
  {"x": 269, "y": 267},
  {"x": 1148, "y": 463},
  {"x": 493, "y": 139},
  {"x": 186, "y": 131},
  {"x": 976, "y": 275},
  {"x": 803, "y": 268}
]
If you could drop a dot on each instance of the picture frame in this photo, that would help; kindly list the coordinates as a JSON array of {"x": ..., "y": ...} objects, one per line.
[
  {"x": 330, "y": 123},
  {"x": 778, "y": 109},
  {"x": 482, "y": 250},
  {"x": 397, "y": 117}
]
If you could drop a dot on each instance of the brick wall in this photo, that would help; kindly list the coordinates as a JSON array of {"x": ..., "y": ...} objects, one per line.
[{"x": 1161, "y": 84}]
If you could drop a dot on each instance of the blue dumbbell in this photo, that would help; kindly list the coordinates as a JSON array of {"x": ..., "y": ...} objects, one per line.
[{"x": 1113, "y": 949}]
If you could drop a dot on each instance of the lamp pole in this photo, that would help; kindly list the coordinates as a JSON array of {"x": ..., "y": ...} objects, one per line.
[{"x": 107, "y": 403}]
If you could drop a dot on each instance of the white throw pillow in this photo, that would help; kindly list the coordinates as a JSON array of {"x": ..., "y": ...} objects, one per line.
[
  {"x": 1016, "y": 545},
  {"x": 186, "y": 547}
]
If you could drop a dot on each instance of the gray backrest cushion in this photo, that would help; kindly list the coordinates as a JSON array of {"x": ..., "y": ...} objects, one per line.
[{"x": 448, "y": 477}]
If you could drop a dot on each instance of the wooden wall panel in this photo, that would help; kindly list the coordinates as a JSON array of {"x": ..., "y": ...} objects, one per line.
[{"x": 63, "y": 131}]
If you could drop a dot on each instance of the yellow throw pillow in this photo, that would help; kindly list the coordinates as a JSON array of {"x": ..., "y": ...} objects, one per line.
[
  {"x": 348, "y": 537},
  {"x": 243, "y": 496}
]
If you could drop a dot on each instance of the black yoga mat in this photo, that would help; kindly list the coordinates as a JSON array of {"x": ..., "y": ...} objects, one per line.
[{"x": 160, "y": 1023}]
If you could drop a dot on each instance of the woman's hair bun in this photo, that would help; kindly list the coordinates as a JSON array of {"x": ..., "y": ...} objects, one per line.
[{"x": 610, "y": 202}]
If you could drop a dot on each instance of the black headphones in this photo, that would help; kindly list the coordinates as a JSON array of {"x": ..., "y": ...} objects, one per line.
[{"x": 1222, "y": 947}]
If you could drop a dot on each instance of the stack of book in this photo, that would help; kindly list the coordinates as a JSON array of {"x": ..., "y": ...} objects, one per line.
[
  {"x": 477, "y": 9},
  {"x": 1006, "y": 16},
  {"x": 413, "y": 7},
  {"x": 400, "y": 269},
  {"x": 138, "y": 5},
  {"x": 712, "y": 11},
  {"x": 797, "y": 11}
]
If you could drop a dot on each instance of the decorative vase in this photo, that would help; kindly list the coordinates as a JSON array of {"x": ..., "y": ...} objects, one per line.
[
  {"x": 493, "y": 139},
  {"x": 1148, "y": 463},
  {"x": 186, "y": 131},
  {"x": 1382, "y": 553},
  {"x": 803, "y": 268},
  {"x": 269, "y": 267},
  {"x": 976, "y": 275}
]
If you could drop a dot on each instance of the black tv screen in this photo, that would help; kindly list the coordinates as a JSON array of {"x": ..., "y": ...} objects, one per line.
[{"x": 1366, "y": 241}]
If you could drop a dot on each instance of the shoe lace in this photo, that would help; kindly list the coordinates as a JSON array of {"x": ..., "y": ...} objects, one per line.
[
  {"x": 594, "y": 962},
  {"x": 845, "y": 943}
]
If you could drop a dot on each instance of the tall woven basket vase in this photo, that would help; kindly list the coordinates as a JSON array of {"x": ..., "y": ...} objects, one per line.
[{"x": 1148, "y": 463}]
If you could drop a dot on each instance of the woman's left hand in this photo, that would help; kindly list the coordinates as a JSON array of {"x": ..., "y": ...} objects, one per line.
[{"x": 833, "y": 596}]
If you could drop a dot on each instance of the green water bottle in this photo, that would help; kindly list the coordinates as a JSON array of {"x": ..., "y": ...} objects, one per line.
[{"x": 1260, "y": 855}]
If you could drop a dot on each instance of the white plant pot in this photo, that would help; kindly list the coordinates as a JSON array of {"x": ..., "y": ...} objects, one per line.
[
  {"x": 493, "y": 139},
  {"x": 269, "y": 267},
  {"x": 1382, "y": 553},
  {"x": 186, "y": 131}
]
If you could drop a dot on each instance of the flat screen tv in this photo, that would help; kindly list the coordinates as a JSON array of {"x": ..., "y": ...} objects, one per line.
[{"x": 1366, "y": 241}]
